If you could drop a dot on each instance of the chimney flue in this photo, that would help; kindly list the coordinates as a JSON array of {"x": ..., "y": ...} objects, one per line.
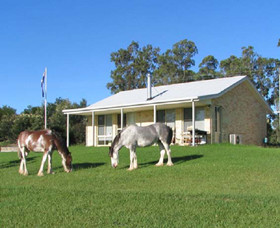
[{"x": 149, "y": 87}]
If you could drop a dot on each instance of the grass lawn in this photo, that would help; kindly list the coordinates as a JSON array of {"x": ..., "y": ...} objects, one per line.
[{"x": 208, "y": 186}]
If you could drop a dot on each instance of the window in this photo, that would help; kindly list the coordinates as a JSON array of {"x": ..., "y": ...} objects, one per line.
[
  {"x": 199, "y": 118},
  {"x": 130, "y": 118},
  {"x": 161, "y": 116},
  {"x": 105, "y": 129},
  {"x": 167, "y": 117},
  {"x": 119, "y": 122}
]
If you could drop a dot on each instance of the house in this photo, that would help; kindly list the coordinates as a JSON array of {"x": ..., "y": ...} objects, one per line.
[{"x": 225, "y": 110}]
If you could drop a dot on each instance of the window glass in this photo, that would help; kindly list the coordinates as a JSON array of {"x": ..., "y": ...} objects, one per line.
[
  {"x": 101, "y": 123},
  {"x": 170, "y": 118},
  {"x": 199, "y": 118},
  {"x": 161, "y": 116},
  {"x": 167, "y": 117},
  {"x": 130, "y": 118},
  {"x": 119, "y": 120}
]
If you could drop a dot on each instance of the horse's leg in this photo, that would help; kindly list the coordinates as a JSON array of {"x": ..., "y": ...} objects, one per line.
[
  {"x": 133, "y": 159},
  {"x": 40, "y": 173},
  {"x": 50, "y": 163},
  {"x": 167, "y": 148},
  {"x": 162, "y": 152},
  {"x": 21, "y": 162},
  {"x": 135, "y": 164},
  {"x": 22, "y": 166},
  {"x": 63, "y": 162}
]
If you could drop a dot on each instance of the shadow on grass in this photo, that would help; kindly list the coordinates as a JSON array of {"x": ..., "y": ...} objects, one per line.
[
  {"x": 15, "y": 163},
  {"x": 78, "y": 166},
  {"x": 175, "y": 160},
  {"x": 178, "y": 160}
]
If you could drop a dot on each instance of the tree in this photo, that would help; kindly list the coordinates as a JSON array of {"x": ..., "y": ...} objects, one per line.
[
  {"x": 7, "y": 117},
  {"x": 231, "y": 66},
  {"x": 262, "y": 71},
  {"x": 6, "y": 111},
  {"x": 132, "y": 65},
  {"x": 167, "y": 68},
  {"x": 174, "y": 64},
  {"x": 184, "y": 51},
  {"x": 208, "y": 67}
]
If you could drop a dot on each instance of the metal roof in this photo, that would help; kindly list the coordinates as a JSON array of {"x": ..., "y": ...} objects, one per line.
[{"x": 196, "y": 90}]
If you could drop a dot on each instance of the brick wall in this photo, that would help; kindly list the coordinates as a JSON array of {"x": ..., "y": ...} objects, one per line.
[{"x": 241, "y": 113}]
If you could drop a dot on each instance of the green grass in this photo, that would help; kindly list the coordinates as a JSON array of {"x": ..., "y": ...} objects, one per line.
[{"x": 208, "y": 186}]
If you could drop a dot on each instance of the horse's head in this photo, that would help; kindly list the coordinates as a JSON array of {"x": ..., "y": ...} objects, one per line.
[
  {"x": 114, "y": 154},
  {"x": 68, "y": 163}
]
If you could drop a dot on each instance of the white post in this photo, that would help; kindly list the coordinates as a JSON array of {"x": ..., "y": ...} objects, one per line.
[
  {"x": 67, "y": 131},
  {"x": 46, "y": 97},
  {"x": 155, "y": 113},
  {"x": 193, "y": 123},
  {"x": 149, "y": 87},
  {"x": 93, "y": 128}
]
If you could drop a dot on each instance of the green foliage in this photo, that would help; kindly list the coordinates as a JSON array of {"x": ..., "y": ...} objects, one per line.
[
  {"x": 174, "y": 65},
  {"x": 208, "y": 68},
  {"x": 7, "y": 118},
  {"x": 32, "y": 118},
  {"x": 263, "y": 72},
  {"x": 132, "y": 65},
  {"x": 208, "y": 186}
]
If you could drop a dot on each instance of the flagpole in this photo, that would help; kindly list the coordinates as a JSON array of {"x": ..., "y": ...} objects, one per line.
[{"x": 46, "y": 97}]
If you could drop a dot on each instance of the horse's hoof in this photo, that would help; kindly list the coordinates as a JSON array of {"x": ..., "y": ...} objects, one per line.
[
  {"x": 51, "y": 172},
  {"x": 40, "y": 174},
  {"x": 169, "y": 164},
  {"x": 25, "y": 174},
  {"x": 159, "y": 164},
  {"x": 130, "y": 169}
]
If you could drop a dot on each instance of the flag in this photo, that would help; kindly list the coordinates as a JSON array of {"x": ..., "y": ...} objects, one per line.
[{"x": 42, "y": 84}]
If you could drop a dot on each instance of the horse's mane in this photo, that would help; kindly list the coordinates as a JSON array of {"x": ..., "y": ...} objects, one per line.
[
  {"x": 115, "y": 141},
  {"x": 59, "y": 143}
]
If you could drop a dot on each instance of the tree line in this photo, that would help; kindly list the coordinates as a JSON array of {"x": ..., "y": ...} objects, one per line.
[{"x": 32, "y": 118}]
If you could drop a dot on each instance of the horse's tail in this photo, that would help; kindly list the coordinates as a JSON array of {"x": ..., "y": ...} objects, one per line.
[{"x": 169, "y": 135}]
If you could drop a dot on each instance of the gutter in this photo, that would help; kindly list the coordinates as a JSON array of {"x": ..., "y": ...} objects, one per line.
[{"x": 166, "y": 102}]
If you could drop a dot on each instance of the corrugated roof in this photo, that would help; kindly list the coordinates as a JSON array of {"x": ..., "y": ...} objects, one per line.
[{"x": 198, "y": 90}]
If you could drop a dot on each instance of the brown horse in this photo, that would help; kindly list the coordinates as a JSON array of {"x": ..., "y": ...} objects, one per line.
[{"x": 42, "y": 141}]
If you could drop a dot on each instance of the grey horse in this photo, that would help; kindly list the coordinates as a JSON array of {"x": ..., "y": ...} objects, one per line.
[{"x": 134, "y": 136}]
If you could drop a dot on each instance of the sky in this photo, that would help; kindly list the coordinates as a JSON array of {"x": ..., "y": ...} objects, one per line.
[{"x": 74, "y": 40}]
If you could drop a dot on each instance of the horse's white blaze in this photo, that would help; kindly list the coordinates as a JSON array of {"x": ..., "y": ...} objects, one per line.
[{"x": 115, "y": 160}]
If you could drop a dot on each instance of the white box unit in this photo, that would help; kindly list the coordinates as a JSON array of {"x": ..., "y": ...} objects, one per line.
[{"x": 235, "y": 139}]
